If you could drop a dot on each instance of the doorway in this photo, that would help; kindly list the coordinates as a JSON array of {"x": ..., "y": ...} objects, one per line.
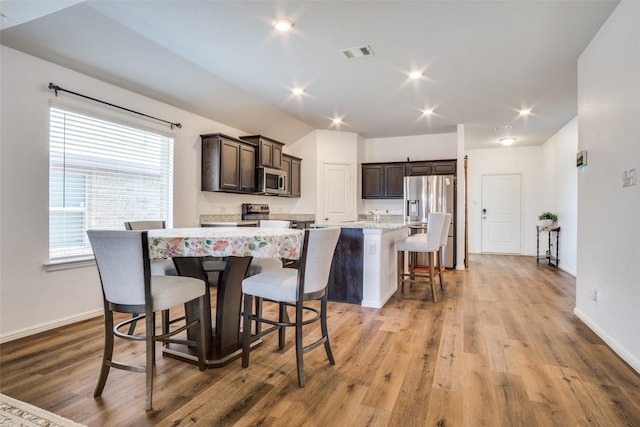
[
  {"x": 501, "y": 214},
  {"x": 338, "y": 192}
]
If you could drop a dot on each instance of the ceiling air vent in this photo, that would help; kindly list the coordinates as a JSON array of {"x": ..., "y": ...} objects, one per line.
[{"x": 357, "y": 52}]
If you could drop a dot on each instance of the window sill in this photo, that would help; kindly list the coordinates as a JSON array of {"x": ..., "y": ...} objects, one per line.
[{"x": 68, "y": 264}]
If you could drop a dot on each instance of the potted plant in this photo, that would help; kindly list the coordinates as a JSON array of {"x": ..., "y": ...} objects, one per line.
[{"x": 548, "y": 218}]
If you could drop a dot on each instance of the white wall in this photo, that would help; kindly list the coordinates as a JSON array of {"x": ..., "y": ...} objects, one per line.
[
  {"x": 525, "y": 161},
  {"x": 560, "y": 192},
  {"x": 32, "y": 299},
  {"x": 608, "y": 214}
]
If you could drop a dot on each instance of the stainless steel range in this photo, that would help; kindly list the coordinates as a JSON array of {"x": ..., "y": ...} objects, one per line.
[{"x": 255, "y": 211}]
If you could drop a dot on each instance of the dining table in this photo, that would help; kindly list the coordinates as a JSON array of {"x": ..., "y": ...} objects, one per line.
[{"x": 238, "y": 246}]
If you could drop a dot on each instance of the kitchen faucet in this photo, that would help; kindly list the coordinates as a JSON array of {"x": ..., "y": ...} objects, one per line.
[{"x": 376, "y": 216}]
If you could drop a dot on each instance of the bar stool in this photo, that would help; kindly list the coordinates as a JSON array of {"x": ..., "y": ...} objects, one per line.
[{"x": 429, "y": 243}]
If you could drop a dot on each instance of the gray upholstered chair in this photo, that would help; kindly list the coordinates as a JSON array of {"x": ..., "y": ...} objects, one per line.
[
  {"x": 260, "y": 265},
  {"x": 159, "y": 267},
  {"x": 444, "y": 236},
  {"x": 429, "y": 243},
  {"x": 292, "y": 288},
  {"x": 123, "y": 263}
]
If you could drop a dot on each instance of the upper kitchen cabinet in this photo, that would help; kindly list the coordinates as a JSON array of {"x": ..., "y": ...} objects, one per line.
[
  {"x": 228, "y": 164},
  {"x": 293, "y": 166},
  {"x": 382, "y": 180},
  {"x": 438, "y": 167},
  {"x": 269, "y": 150}
]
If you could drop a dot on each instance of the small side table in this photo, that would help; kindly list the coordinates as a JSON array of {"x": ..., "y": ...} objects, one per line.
[{"x": 552, "y": 253}]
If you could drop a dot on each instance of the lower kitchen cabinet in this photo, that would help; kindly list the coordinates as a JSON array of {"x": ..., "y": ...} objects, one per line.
[{"x": 346, "y": 278}]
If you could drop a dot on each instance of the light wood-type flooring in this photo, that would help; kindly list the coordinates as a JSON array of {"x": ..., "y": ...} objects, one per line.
[{"x": 500, "y": 348}]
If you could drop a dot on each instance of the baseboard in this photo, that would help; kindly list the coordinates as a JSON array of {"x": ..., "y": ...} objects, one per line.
[
  {"x": 629, "y": 358},
  {"x": 32, "y": 330}
]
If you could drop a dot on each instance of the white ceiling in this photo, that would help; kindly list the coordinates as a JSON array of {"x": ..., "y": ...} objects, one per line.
[{"x": 482, "y": 60}]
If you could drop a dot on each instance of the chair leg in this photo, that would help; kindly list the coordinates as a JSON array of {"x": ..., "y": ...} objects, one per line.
[
  {"x": 150, "y": 344},
  {"x": 431, "y": 276},
  {"x": 246, "y": 330},
  {"x": 202, "y": 347},
  {"x": 400, "y": 271},
  {"x": 440, "y": 268},
  {"x": 258, "y": 314},
  {"x": 325, "y": 330},
  {"x": 282, "y": 317},
  {"x": 107, "y": 353},
  {"x": 299, "y": 349},
  {"x": 132, "y": 326}
]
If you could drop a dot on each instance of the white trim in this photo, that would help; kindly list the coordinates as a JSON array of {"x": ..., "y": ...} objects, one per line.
[
  {"x": 68, "y": 264},
  {"x": 32, "y": 330},
  {"x": 609, "y": 340}
]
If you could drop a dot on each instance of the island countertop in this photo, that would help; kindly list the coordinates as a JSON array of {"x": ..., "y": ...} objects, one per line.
[{"x": 366, "y": 225}]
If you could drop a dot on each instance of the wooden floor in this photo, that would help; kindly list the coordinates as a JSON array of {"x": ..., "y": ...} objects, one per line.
[{"x": 501, "y": 348}]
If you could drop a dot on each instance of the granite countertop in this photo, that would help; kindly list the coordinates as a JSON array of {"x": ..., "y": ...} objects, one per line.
[
  {"x": 365, "y": 224},
  {"x": 234, "y": 220}
]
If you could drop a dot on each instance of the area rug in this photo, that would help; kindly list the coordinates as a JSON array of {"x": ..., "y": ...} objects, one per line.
[{"x": 15, "y": 413}]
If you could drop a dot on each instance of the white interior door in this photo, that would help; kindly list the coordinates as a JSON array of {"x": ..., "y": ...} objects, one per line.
[
  {"x": 338, "y": 193},
  {"x": 501, "y": 214}
]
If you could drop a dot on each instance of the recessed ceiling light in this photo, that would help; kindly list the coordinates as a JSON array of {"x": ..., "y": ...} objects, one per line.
[
  {"x": 337, "y": 121},
  {"x": 428, "y": 112},
  {"x": 415, "y": 75},
  {"x": 297, "y": 91},
  {"x": 507, "y": 141},
  {"x": 525, "y": 112},
  {"x": 283, "y": 24}
]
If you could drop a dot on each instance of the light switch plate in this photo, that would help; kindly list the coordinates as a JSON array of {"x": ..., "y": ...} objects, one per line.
[{"x": 629, "y": 177}]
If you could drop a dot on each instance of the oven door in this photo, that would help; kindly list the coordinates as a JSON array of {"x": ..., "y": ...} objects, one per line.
[{"x": 272, "y": 181}]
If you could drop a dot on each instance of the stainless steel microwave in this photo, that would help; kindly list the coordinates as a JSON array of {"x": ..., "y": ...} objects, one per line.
[{"x": 272, "y": 181}]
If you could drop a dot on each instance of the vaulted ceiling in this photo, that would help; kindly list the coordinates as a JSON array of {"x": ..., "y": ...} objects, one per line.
[{"x": 481, "y": 61}]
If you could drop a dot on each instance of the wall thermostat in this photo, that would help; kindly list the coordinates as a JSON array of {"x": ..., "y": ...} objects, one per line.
[{"x": 581, "y": 158}]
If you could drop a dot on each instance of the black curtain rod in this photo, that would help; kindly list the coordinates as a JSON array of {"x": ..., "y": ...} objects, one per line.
[{"x": 57, "y": 89}]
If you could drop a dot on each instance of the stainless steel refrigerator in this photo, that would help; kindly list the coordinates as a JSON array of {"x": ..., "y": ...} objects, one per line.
[{"x": 431, "y": 193}]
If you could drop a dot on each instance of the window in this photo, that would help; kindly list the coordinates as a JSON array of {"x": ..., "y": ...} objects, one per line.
[{"x": 102, "y": 174}]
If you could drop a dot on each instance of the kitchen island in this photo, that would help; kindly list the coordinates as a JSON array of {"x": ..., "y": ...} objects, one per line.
[{"x": 364, "y": 269}]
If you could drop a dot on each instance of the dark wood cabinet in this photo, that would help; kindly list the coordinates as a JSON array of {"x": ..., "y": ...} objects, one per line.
[
  {"x": 445, "y": 167},
  {"x": 228, "y": 164},
  {"x": 417, "y": 169},
  {"x": 437, "y": 167},
  {"x": 382, "y": 180},
  {"x": 386, "y": 180},
  {"x": 269, "y": 150},
  {"x": 293, "y": 166}
]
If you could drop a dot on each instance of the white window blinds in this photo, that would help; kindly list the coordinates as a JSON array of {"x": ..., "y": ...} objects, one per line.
[{"x": 102, "y": 174}]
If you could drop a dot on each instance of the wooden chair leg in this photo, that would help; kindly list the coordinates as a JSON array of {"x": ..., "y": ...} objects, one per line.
[
  {"x": 325, "y": 330},
  {"x": 202, "y": 346},
  {"x": 282, "y": 317},
  {"x": 431, "y": 276},
  {"x": 149, "y": 367},
  {"x": 107, "y": 354},
  {"x": 440, "y": 268},
  {"x": 258, "y": 312},
  {"x": 246, "y": 330},
  {"x": 400, "y": 271},
  {"x": 299, "y": 349}
]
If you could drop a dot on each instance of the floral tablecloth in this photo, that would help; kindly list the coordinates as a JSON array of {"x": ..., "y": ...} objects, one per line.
[{"x": 225, "y": 241}]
